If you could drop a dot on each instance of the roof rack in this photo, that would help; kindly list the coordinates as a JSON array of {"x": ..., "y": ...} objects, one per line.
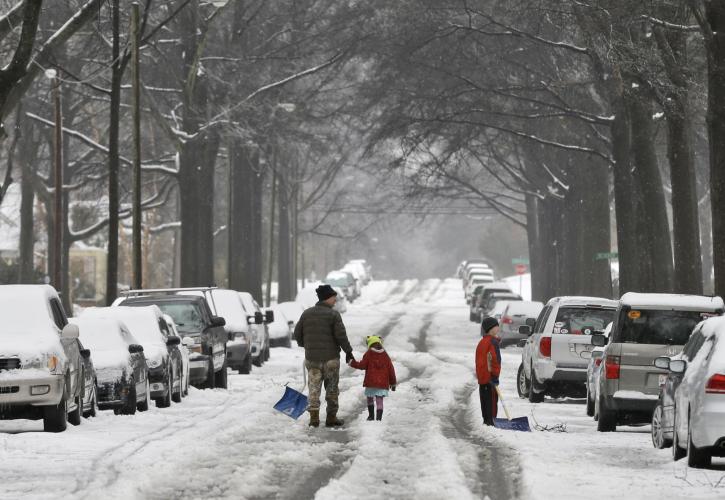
[{"x": 206, "y": 290}]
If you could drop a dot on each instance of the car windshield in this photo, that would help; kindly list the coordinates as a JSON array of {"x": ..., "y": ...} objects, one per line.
[
  {"x": 186, "y": 315},
  {"x": 659, "y": 327},
  {"x": 574, "y": 320}
]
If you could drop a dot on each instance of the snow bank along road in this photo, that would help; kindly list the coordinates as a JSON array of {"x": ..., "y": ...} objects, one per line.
[{"x": 431, "y": 444}]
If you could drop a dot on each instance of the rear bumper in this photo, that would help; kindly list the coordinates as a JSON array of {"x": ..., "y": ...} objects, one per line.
[
  {"x": 111, "y": 395},
  {"x": 709, "y": 427},
  {"x": 631, "y": 410}
]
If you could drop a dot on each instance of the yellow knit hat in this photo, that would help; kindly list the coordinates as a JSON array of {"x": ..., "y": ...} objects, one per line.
[{"x": 373, "y": 339}]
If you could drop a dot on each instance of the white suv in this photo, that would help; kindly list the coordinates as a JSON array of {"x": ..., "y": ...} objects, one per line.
[{"x": 556, "y": 354}]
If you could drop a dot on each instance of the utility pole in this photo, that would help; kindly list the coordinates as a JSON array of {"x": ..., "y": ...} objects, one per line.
[
  {"x": 137, "y": 262},
  {"x": 113, "y": 158},
  {"x": 58, "y": 183}
]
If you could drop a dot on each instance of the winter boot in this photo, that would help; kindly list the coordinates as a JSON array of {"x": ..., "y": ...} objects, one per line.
[
  {"x": 333, "y": 421},
  {"x": 314, "y": 418},
  {"x": 380, "y": 414},
  {"x": 371, "y": 412}
]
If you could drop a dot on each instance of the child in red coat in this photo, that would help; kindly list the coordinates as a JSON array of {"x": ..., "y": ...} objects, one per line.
[
  {"x": 379, "y": 375},
  {"x": 488, "y": 368}
]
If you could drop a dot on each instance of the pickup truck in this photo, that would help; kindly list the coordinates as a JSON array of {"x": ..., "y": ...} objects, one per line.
[{"x": 41, "y": 364}]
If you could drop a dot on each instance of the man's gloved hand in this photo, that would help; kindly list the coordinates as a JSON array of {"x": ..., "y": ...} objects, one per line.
[
  {"x": 349, "y": 357},
  {"x": 392, "y": 388},
  {"x": 494, "y": 380}
]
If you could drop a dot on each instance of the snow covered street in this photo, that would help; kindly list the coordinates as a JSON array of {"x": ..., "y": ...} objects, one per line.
[{"x": 430, "y": 444}]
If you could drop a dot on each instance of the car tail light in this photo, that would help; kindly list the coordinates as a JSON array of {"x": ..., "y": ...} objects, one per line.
[
  {"x": 507, "y": 320},
  {"x": 611, "y": 367},
  {"x": 545, "y": 347},
  {"x": 716, "y": 384},
  {"x": 597, "y": 361}
]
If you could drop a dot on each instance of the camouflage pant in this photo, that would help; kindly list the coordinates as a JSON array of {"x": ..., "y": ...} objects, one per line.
[{"x": 327, "y": 372}]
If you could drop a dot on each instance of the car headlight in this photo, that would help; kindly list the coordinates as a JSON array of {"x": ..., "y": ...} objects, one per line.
[
  {"x": 154, "y": 363},
  {"x": 51, "y": 362}
]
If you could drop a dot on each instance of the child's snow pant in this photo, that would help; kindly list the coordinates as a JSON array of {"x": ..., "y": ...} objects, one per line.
[{"x": 489, "y": 402}]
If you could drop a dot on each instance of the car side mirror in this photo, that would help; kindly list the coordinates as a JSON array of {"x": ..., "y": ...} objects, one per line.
[
  {"x": 663, "y": 363},
  {"x": 599, "y": 340},
  {"x": 269, "y": 316},
  {"x": 531, "y": 322},
  {"x": 290, "y": 324},
  {"x": 135, "y": 348},
  {"x": 70, "y": 331},
  {"x": 86, "y": 353},
  {"x": 218, "y": 321},
  {"x": 678, "y": 366},
  {"x": 258, "y": 318},
  {"x": 525, "y": 330},
  {"x": 187, "y": 341},
  {"x": 173, "y": 340}
]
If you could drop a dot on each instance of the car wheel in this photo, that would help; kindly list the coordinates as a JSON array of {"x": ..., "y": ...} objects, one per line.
[
  {"x": 534, "y": 397},
  {"x": 698, "y": 458},
  {"x": 607, "y": 421},
  {"x": 93, "y": 407},
  {"x": 258, "y": 361},
  {"x": 266, "y": 352},
  {"x": 55, "y": 418},
  {"x": 246, "y": 367},
  {"x": 220, "y": 378},
  {"x": 176, "y": 396},
  {"x": 677, "y": 451},
  {"x": 209, "y": 383},
  {"x": 144, "y": 405},
  {"x": 590, "y": 403},
  {"x": 186, "y": 385},
  {"x": 522, "y": 384},
  {"x": 659, "y": 440},
  {"x": 130, "y": 407},
  {"x": 74, "y": 417},
  {"x": 165, "y": 402}
]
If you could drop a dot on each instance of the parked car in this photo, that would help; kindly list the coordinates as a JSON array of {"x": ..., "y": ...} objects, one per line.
[
  {"x": 367, "y": 267},
  {"x": 281, "y": 329},
  {"x": 497, "y": 302},
  {"x": 698, "y": 394},
  {"x": 647, "y": 326},
  {"x": 90, "y": 398},
  {"x": 258, "y": 326},
  {"x": 359, "y": 265},
  {"x": 184, "y": 351},
  {"x": 555, "y": 356},
  {"x": 484, "y": 273},
  {"x": 343, "y": 281},
  {"x": 228, "y": 304},
  {"x": 515, "y": 315},
  {"x": 487, "y": 289},
  {"x": 194, "y": 320},
  {"x": 121, "y": 382},
  {"x": 594, "y": 370},
  {"x": 357, "y": 276},
  {"x": 474, "y": 314},
  {"x": 41, "y": 366},
  {"x": 663, "y": 416},
  {"x": 160, "y": 348},
  {"x": 291, "y": 310},
  {"x": 475, "y": 282}
]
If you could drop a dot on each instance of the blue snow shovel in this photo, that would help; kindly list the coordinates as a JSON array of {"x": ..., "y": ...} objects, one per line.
[
  {"x": 508, "y": 423},
  {"x": 293, "y": 403}
]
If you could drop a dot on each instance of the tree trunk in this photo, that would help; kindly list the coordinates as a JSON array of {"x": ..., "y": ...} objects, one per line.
[
  {"x": 285, "y": 275},
  {"x": 255, "y": 238},
  {"x": 656, "y": 259},
  {"x": 113, "y": 159},
  {"x": 241, "y": 231},
  {"x": 715, "y": 14}
]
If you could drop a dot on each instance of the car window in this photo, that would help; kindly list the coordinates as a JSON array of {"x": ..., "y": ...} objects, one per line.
[
  {"x": 187, "y": 316},
  {"x": 575, "y": 320},
  {"x": 543, "y": 318},
  {"x": 693, "y": 345},
  {"x": 58, "y": 315},
  {"x": 658, "y": 326}
]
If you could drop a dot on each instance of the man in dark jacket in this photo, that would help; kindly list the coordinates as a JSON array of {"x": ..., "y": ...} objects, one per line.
[{"x": 321, "y": 332}]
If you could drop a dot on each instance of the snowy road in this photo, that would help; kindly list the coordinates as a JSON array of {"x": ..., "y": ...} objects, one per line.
[{"x": 231, "y": 444}]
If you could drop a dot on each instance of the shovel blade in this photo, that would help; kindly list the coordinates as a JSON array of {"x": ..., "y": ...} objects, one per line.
[
  {"x": 293, "y": 403},
  {"x": 515, "y": 424}
]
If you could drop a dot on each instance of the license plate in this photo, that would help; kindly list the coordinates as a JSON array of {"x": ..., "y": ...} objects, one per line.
[{"x": 157, "y": 387}]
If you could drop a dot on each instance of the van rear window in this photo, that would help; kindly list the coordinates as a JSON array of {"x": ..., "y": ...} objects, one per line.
[
  {"x": 576, "y": 320},
  {"x": 658, "y": 327}
]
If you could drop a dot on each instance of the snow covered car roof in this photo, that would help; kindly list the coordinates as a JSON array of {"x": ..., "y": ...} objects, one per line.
[
  {"x": 583, "y": 301},
  {"x": 672, "y": 301},
  {"x": 291, "y": 310},
  {"x": 143, "y": 322},
  {"x": 108, "y": 340}
]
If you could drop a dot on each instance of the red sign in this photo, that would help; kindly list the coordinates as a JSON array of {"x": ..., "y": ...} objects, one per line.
[{"x": 521, "y": 268}]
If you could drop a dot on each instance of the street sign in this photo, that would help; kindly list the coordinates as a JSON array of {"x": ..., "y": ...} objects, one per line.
[
  {"x": 521, "y": 268},
  {"x": 517, "y": 261},
  {"x": 606, "y": 256}
]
